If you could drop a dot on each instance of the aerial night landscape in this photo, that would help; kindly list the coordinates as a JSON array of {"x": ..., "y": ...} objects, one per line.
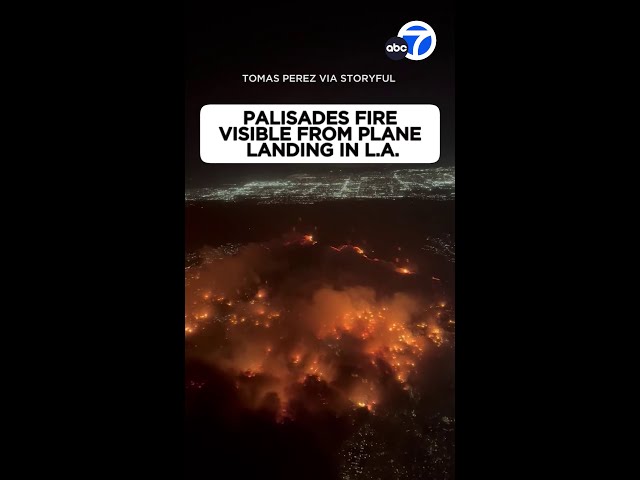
[
  {"x": 420, "y": 183},
  {"x": 320, "y": 324},
  {"x": 320, "y": 300}
]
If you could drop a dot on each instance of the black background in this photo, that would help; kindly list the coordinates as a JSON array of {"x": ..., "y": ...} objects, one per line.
[{"x": 114, "y": 401}]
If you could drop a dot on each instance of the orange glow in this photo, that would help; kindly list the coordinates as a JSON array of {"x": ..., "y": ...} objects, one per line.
[
  {"x": 287, "y": 344},
  {"x": 307, "y": 240},
  {"x": 360, "y": 251},
  {"x": 436, "y": 336},
  {"x": 388, "y": 339},
  {"x": 404, "y": 271}
]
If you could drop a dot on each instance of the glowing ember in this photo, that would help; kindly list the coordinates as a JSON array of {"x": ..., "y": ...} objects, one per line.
[
  {"x": 360, "y": 251},
  {"x": 348, "y": 341},
  {"x": 404, "y": 271},
  {"x": 435, "y": 335}
]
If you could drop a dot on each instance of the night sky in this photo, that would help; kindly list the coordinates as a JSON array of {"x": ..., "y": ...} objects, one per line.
[{"x": 218, "y": 50}]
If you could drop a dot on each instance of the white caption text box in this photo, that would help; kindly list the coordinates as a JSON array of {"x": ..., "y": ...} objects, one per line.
[{"x": 214, "y": 149}]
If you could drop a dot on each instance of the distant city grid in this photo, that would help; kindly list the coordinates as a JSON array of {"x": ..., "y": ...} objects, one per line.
[{"x": 421, "y": 183}]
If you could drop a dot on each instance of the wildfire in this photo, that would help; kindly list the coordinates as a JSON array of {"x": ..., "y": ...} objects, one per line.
[
  {"x": 397, "y": 344},
  {"x": 274, "y": 344},
  {"x": 404, "y": 271},
  {"x": 360, "y": 251},
  {"x": 436, "y": 336},
  {"x": 386, "y": 339},
  {"x": 355, "y": 248}
]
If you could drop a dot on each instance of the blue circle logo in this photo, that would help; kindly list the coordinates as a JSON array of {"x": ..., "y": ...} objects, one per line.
[{"x": 420, "y": 38}]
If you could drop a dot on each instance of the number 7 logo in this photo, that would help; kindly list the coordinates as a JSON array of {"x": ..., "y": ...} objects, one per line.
[{"x": 420, "y": 38}]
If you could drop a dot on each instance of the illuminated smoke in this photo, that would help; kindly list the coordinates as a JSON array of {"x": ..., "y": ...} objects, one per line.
[{"x": 282, "y": 322}]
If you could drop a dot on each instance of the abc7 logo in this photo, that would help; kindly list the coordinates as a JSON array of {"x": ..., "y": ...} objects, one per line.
[
  {"x": 415, "y": 41},
  {"x": 396, "y": 48}
]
